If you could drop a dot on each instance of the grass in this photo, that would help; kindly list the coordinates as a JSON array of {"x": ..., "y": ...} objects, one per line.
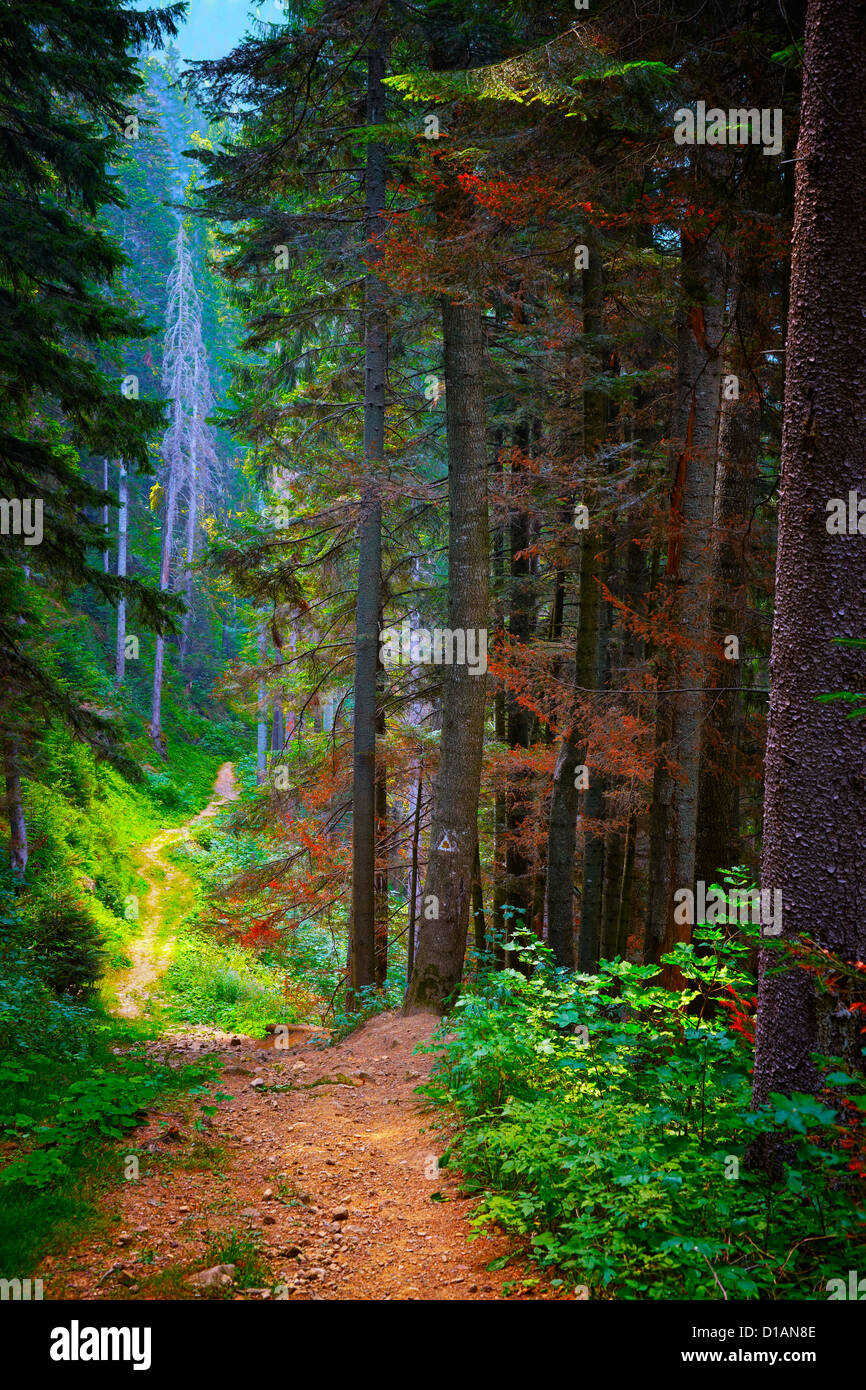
[{"x": 63, "y": 1120}]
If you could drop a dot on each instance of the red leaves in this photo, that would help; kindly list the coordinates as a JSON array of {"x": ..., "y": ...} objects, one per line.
[{"x": 741, "y": 1013}]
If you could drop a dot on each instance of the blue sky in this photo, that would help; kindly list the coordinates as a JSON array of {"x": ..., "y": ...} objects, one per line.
[{"x": 213, "y": 27}]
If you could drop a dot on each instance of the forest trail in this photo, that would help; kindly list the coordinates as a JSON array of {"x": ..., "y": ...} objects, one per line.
[
  {"x": 320, "y": 1158},
  {"x": 169, "y": 897}
]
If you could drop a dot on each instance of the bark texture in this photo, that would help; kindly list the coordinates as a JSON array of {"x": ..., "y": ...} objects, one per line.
[
  {"x": 815, "y": 796},
  {"x": 681, "y": 668},
  {"x": 362, "y": 948},
  {"x": 442, "y": 941}
]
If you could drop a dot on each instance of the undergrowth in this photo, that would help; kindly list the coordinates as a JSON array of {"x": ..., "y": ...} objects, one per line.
[{"x": 605, "y": 1123}]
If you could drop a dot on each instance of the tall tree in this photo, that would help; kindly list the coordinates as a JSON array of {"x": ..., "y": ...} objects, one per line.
[
  {"x": 362, "y": 948},
  {"x": 682, "y": 662},
  {"x": 187, "y": 448},
  {"x": 815, "y": 810},
  {"x": 448, "y": 886}
]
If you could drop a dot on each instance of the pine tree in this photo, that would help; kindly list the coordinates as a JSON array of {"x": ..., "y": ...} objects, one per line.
[{"x": 189, "y": 458}]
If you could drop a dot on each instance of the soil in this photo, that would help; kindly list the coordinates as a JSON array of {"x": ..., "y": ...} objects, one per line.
[{"x": 324, "y": 1155}]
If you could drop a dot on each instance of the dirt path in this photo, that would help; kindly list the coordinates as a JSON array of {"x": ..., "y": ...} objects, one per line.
[
  {"x": 321, "y": 1158},
  {"x": 151, "y": 952},
  {"x": 324, "y": 1156}
]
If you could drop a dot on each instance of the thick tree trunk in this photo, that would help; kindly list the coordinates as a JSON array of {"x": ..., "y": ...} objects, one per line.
[
  {"x": 15, "y": 814},
  {"x": 122, "y": 533},
  {"x": 362, "y": 951},
  {"x": 815, "y": 806},
  {"x": 439, "y": 961},
  {"x": 678, "y": 714}
]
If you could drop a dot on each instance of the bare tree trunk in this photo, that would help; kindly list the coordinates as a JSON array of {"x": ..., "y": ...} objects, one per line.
[
  {"x": 439, "y": 960},
  {"x": 815, "y": 808},
  {"x": 122, "y": 533},
  {"x": 191, "y": 524},
  {"x": 164, "y": 574},
  {"x": 15, "y": 813},
  {"x": 362, "y": 936},
  {"x": 678, "y": 715}
]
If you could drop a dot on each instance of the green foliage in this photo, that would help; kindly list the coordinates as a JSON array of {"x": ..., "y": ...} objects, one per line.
[
  {"x": 222, "y": 985},
  {"x": 618, "y": 1154}
]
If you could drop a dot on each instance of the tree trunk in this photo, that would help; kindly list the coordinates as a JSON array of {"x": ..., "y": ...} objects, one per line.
[
  {"x": 678, "y": 715},
  {"x": 562, "y": 828},
  {"x": 413, "y": 884},
  {"x": 105, "y": 516},
  {"x": 262, "y": 712},
  {"x": 718, "y": 843},
  {"x": 15, "y": 814},
  {"x": 439, "y": 962},
  {"x": 191, "y": 524},
  {"x": 382, "y": 851},
  {"x": 362, "y": 949},
  {"x": 519, "y": 720},
  {"x": 815, "y": 808},
  {"x": 278, "y": 731},
  {"x": 122, "y": 533},
  {"x": 479, "y": 929},
  {"x": 164, "y": 574}
]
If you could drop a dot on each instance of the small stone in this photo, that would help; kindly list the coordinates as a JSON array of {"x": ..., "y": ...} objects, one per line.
[
  {"x": 235, "y": 1042},
  {"x": 340, "y": 1214},
  {"x": 183, "y": 1208},
  {"x": 269, "y": 1221},
  {"x": 218, "y": 1276},
  {"x": 268, "y": 1194},
  {"x": 257, "y": 1082}
]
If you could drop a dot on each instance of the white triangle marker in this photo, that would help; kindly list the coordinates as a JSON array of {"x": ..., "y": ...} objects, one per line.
[{"x": 445, "y": 844}]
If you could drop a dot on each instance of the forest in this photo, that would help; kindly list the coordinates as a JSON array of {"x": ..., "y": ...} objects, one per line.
[{"x": 432, "y": 639}]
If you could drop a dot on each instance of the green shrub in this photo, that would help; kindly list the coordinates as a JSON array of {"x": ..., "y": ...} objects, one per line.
[{"x": 607, "y": 1126}]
